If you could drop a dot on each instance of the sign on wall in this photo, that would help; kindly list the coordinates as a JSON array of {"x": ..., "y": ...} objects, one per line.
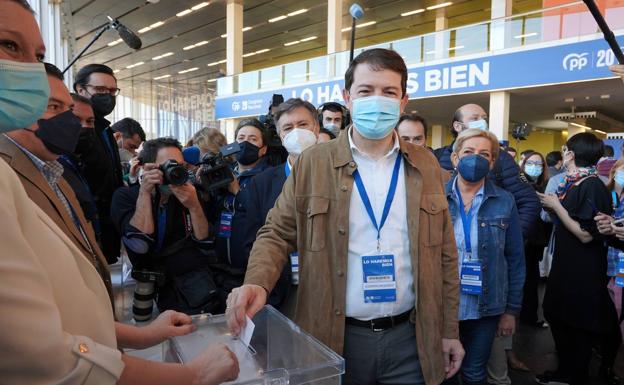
[{"x": 566, "y": 63}]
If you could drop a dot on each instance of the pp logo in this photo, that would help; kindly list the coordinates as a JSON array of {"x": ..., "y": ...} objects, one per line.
[
  {"x": 575, "y": 61},
  {"x": 236, "y": 106}
]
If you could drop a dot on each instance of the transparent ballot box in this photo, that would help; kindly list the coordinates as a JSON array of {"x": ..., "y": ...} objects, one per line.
[{"x": 280, "y": 353}]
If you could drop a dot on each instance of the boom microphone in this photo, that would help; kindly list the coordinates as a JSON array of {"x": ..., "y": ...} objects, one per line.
[
  {"x": 130, "y": 38},
  {"x": 356, "y": 12}
]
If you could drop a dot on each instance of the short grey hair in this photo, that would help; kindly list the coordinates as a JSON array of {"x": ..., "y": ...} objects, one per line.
[{"x": 292, "y": 104}]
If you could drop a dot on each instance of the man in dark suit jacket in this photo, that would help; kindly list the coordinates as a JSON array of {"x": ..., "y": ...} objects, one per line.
[
  {"x": 35, "y": 162},
  {"x": 297, "y": 125}
]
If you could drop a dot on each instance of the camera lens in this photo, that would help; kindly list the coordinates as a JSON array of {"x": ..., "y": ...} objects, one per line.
[
  {"x": 143, "y": 303},
  {"x": 177, "y": 175}
]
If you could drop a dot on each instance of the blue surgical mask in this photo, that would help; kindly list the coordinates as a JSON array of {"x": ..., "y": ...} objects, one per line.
[
  {"x": 480, "y": 124},
  {"x": 533, "y": 170},
  {"x": 375, "y": 117},
  {"x": 619, "y": 177},
  {"x": 473, "y": 167},
  {"x": 24, "y": 93}
]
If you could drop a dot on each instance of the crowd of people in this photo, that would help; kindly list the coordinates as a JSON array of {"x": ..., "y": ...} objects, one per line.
[{"x": 416, "y": 265}]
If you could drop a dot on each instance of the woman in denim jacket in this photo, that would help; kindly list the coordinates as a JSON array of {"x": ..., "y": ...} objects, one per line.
[{"x": 490, "y": 252}]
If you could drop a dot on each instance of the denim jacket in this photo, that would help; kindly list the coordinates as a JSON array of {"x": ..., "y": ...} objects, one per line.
[{"x": 501, "y": 250}]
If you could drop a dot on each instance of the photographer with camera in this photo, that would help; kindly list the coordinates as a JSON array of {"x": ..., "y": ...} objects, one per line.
[{"x": 166, "y": 234}]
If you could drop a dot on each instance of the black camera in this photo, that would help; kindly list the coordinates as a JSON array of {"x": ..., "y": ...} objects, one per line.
[
  {"x": 145, "y": 293},
  {"x": 174, "y": 173},
  {"x": 214, "y": 171},
  {"x": 276, "y": 153}
]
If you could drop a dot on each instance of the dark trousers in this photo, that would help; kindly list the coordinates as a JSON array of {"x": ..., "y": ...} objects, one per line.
[
  {"x": 574, "y": 351},
  {"x": 530, "y": 299},
  {"x": 476, "y": 336},
  {"x": 388, "y": 357}
]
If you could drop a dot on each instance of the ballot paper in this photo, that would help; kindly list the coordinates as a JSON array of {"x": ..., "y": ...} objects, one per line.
[{"x": 247, "y": 332}]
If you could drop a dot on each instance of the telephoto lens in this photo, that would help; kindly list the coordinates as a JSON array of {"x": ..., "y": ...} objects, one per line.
[{"x": 143, "y": 303}]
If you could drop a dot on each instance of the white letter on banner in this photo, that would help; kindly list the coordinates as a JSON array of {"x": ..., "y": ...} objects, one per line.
[
  {"x": 445, "y": 78},
  {"x": 307, "y": 95},
  {"x": 294, "y": 94},
  {"x": 458, "y": 76},
  {"x": 432, "y": 80},
  {"x": 336, "y": 95},
  {"x": 322, "y": 94},
  {"x": 412, "y": 82},
  {"x": 474, "y": 73}
]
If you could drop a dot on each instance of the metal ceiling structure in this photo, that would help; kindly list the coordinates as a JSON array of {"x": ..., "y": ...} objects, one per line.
[{"x": 163, "y": 50}]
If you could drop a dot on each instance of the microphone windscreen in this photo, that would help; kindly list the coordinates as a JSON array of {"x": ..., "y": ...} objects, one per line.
[
  {"x": 356, "y": 11},
  {"x": 129, "y": 37}
]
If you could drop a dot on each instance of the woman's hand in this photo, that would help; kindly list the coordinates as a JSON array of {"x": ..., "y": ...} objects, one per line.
[
  {"x": 506, "y": 325},
  {"x": 618, "y": 231},
  {"x": 549, "y": 201},
  {"x": 603, "y": 223}
]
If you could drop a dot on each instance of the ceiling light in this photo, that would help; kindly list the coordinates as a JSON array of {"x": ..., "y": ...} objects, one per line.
[
  {"x": 112, "y": 43},
  {"x": 605, "y": 96},
  {"x": 249, "y": 54},
  {"x": 273, "y": 20},
  {"x": 366, "y": 24},
  {"x": 135, "y": 65},
  {"x": 157, "y": 24},
  {"x": 203, "y": 42},
  {"x": 216, "y": 63},
  {"x": 299, "y": 12},
  {"x": 116, "y": 71},
  {"x": 346, "y": 29},
  {"x": 308, "y": 38},
  {"x": 526, "y": 35},
  {"x": 430, "y": 52},
  {"x": 601, "y": 132},
  {"x": 222, "y": 61},
  {"x": 410, "y": 13},
  {"x": 162, "y": 77},
  {"x": 456, "y": 47},
  {"x": 189, "y": 70},
  {"x": 247, "y": 29},
  {"x": 580, "y": 126},
  {"x": 162, "y": 56},
  {"x": 200, "y": 6},
  {"x": 569, "y": 100},
  {"x": 224, "y": 35},
  {"x": 263, "y": 51},
  {"x": 189, "y": 47},
  {"x": 291, "y": 43},
  {"x": 143, "y": 30},
  {"x": 184, "y": 13},
  {"x": 439, "y": 5},
  {"x": 212, "y": 80}
]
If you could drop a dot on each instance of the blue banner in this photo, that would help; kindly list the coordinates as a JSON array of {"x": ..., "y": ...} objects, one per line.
[{"x": 566, "y": 63}]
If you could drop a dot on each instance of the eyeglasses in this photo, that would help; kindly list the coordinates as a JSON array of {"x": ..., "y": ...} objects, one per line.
[{"x": 104, "y": 90}]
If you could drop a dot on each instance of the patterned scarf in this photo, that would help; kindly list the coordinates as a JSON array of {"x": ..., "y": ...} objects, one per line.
[{"x": 570, "y": 179}]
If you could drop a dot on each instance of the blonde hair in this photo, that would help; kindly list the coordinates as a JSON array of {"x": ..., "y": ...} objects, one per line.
[
  {"x": 209, "y": 140},
  {"x": 616, "y": 165},
  {"x": 477, "y": 133}
]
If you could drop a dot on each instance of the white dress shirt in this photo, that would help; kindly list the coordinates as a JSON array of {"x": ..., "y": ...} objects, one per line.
[{"x": 376, "y": 176}]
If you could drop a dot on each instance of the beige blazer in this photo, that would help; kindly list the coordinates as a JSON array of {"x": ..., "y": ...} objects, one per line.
[
  {"x": 57, "y": 323},
  {"x": 40, "y": 192}
]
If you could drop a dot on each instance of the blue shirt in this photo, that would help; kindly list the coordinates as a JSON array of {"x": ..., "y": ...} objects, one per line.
[{"x": 468, "y": 304}]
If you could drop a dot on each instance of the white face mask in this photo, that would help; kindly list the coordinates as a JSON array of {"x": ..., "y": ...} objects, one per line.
[
  {"x": 481, "y": 124},
  {"x": 333, "y": 128},
  {"x": 298, "y": 139}
]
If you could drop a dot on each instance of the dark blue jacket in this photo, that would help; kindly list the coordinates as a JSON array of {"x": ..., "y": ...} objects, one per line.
[
  {"x": 506, "y": 175},
  {"x": 501, "y": 250},
  {"x": 258, "y": 199}
]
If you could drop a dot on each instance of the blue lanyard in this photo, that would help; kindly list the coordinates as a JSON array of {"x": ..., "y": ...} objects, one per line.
[
  {"x": 389, "y": 197},
  {"x": 466, "y": 218},
  {"x": 286, "y": 169}
]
